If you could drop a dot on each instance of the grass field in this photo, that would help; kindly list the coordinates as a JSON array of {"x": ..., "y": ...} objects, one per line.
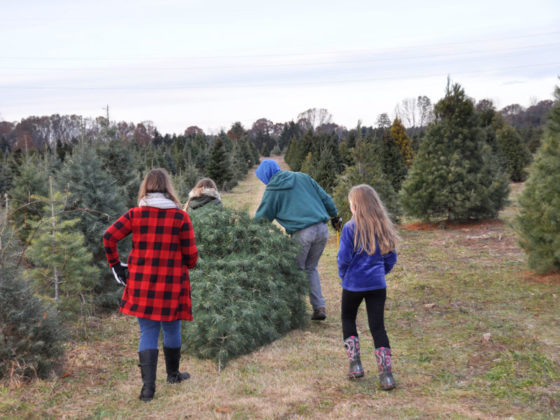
[{"x": 474, "y": 334}]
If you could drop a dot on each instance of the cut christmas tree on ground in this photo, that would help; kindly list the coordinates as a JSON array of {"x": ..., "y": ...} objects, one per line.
[{"x": 246, "y": 289}]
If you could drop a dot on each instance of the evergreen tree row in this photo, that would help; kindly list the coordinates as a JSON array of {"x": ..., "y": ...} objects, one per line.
[
  {"x": 456, "y": 168},
  {"x": 60, "y": 203}
]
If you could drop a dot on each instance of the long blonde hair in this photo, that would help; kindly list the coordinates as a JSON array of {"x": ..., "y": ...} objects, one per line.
[
  {"x": 197, "y": 190},
  {"x": 372, "y": 221},
  {"x": 158, "y": 180}
]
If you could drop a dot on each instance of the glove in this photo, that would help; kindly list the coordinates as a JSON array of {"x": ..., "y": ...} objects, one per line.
[
  {"x": 336, "y": 222},
  {"x": 120, "y": 271}
]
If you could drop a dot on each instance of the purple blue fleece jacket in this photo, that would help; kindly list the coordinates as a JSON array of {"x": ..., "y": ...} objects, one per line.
[{"x": 358, "y": 270}]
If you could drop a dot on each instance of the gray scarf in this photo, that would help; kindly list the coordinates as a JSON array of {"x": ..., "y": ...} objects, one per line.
[{"x": 158, "y": 200}]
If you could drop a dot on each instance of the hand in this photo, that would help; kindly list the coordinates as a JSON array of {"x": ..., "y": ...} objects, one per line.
[
  {"x": 336, "y": 222},
  {"x": 120, "y": 271}
]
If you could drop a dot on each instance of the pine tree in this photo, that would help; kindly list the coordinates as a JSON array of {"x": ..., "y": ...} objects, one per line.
[
  {"x": 400, "y": 137},
  {"x": 250, "y": 154},
  {"x": 393, "y": 161},
  {"x": 200, "y": 152},
  {"x": 307, "y": 164},
  {"x": 240, "y": 165},
  {"x": 367, "y": 170},
  {"x": 509, "y": 149},
  {"x": 62, "y": 265},
  {"x": 32, "y": 335},
  {"x": 265, "y": 150},
  {"x": 97, "y": 202},
  {"x": 326, "y": 163},
  {"x": 219, "y": 166},
  {"x": 538, "y": 222},
  {"x": 298, "y": 150},
  {"x": 6, "y": 176},
  {"x": 119, "y": 163},
  {"x": 247, "y": 290},
  {"x": 30, "y": 180},
  {"x": 185, "y": 180},
  {"x": 515, "y": 151},
  {"x": 454, "y": 176}
]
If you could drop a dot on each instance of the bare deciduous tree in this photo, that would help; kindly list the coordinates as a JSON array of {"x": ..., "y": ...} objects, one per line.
[
  {"x": 315, "y": 117},
  {"x": 415, "y": 112}
]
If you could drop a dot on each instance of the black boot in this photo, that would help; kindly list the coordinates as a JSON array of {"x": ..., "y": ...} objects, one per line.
[
  {"x": 352, "y": 345},
  {"x": 172, "y": 358},
  {"x": 148, "y": 368}
]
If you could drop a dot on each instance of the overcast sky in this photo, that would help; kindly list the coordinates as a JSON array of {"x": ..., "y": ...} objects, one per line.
[{"x": 211, "y": 63}]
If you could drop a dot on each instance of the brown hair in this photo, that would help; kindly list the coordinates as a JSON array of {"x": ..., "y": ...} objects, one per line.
[
  {"x": 205, "y": 183},
  {"x": 158, "y": 180},
  {"x": 372, "y": 221},
  {"x": 197, "y": 189}
]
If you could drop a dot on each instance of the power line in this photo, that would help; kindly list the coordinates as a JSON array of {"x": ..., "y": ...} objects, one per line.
[
  {"x": 217, "y": 84},
  {"x": 313, "y": 62},
  {"x": 293, "y": 54}
]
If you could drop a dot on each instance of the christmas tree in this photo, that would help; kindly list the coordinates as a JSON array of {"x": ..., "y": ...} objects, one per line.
[
  {"x": 6, "y": 176},
  {"x": 367, "y": 170},
  {"x": 392, "y": 159},
  {"x": 32, "y": 336},
  {"x": 400, "y": 137},
  {"x": 97, "y": 202},
  {"x": 30, "y": 180},
  {"x": 538, "y": 222},
  {"x": 219, "y": 167},
  {"x": 246, "y": 289},
  {"x": 454, "y": 176},
  {"x": 62, "y": 266},
  {"x": 516, "y": 153},
  {"x": 120, "y": 164}
]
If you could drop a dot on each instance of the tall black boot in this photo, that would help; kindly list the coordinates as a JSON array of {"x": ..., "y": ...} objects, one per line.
[
  {"x": 172, "y": 359},
  {"x": 148, "y": 368}
]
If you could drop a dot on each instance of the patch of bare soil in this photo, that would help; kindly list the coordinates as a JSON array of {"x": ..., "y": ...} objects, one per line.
[
  {"x": 444, "y": 224},
  {"x": 491, "y": 238},
  {"x": 550, "y": 278}
]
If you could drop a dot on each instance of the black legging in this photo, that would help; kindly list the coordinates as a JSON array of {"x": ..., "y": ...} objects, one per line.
[{"x": 375, "y": 306}]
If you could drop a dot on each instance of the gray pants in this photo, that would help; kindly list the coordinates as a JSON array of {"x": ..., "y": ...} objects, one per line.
[{"x": 313, "y": 240}]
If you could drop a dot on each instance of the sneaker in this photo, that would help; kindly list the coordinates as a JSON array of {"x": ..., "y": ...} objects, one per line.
[{"x": 319, "y": 314}]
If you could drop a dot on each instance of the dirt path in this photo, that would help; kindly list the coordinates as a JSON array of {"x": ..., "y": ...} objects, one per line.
[{"x": 248, "y": 193}]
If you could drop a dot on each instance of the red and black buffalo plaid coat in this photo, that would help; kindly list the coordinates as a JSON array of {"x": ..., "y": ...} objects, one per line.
[{"x": 163, "y": 249}]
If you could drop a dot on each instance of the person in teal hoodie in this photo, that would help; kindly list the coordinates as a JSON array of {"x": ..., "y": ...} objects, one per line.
[{"x": 303, "y": 208}]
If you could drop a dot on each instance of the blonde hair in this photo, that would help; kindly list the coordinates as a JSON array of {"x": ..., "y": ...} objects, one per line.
[
  {"x": 197, "y": 190},
  {"x": 158, "y": 180},
  {"x": 372, "y": 221}
]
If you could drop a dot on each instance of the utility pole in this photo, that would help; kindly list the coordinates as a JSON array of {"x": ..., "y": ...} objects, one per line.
[{"x": 107, "y": 109}]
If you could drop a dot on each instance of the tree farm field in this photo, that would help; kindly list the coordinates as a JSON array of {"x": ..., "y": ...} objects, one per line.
[{"x": 475, "y": 335}]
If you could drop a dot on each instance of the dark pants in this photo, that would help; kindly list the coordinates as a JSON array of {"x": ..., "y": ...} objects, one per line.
[{"x": 375, "y": 306}]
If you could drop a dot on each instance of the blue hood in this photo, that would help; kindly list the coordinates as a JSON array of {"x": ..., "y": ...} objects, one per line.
[{"x": 266, "y": 170}]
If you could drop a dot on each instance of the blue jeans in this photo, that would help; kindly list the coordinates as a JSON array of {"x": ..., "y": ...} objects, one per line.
[
  {"x": 149, "y": 334},
  {"x": 313, "y": 240}
]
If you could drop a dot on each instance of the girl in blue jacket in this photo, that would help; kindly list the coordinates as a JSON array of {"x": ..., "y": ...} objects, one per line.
[{"x": 366, "y": 254}]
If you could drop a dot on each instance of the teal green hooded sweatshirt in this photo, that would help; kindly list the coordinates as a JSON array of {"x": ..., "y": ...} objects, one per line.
[{"x": 296, "y": 201}]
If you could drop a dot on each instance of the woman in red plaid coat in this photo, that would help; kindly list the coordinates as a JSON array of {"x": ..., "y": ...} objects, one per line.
[{"x": 157, "y": 290}]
